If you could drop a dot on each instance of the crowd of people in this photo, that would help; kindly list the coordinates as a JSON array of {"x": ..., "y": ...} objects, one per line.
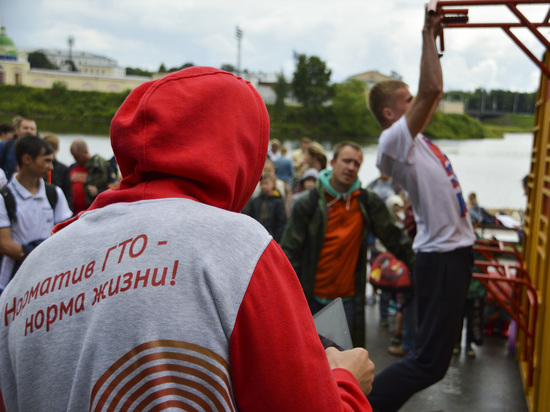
[
  {"x": 30, "y": 177},
  {"x": 190, "y": 279}
]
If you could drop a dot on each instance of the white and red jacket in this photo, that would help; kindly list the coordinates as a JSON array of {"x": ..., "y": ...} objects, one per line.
[{"x": 162, "y": 295}]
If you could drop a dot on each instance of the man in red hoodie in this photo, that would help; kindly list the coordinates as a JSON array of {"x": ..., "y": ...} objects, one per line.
[{"x": 162, "y": 295}]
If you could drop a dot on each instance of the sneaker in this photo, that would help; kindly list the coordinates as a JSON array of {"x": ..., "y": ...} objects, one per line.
[
  {"x": 395, "y": 340},
  {"x": 470, "y": 352},
  {"x": 396, "y": 350}
]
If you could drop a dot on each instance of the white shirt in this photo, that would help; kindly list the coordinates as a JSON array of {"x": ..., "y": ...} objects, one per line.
[
  {"x": 35, "y": 219},
  {"x": 433, "y": 189},
  {"x": 3, "y": 178}
]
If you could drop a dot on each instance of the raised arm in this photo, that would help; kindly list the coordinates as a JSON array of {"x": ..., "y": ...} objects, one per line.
[{"x": 430, "y": 85}]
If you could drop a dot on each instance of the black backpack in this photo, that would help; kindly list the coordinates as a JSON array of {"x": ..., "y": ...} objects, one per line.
[{"x": 9, "y": 200}]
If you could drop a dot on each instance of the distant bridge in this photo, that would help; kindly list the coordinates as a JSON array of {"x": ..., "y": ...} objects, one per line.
[{"x": 488, "y": 114}]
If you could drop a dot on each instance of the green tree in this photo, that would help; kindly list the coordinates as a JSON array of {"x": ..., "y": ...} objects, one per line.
[
  {"x": 130, "y": 71},
  {"x": 59, "y": 85},
  {"x": 395, "y": 76},
  {"x": 228, "y": 68},
  {"x": 71, "y": 65},
  {"x": 311, "y": 85},
  {"x": 38, "y": 60},
  {"x": 526, "y": 103},
  {"x": 349, "y": 107},
  {"x": 162, "y": 68},
  {"x": 281, "y": 89},
  {"x": 178, "y": 68},
  {"x": 494, "y": 100},
  {"x": 455, "y": 96},
  {"x": 454, "y": 126}
]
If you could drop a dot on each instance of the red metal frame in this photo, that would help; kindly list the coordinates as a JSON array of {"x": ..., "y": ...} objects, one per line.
[
  {"x": 458, "y": 18},
  {"x": 511, "y": 286}
]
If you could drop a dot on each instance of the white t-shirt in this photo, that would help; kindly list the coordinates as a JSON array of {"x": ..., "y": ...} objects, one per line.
[
  {"x": 3, "y": 178},
  {"x": 35, "y": 219},
  {"x": 433, "y": 189}
]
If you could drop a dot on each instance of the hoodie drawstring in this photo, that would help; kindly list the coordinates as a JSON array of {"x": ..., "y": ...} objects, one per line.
[{"x": 344, "y": 197}]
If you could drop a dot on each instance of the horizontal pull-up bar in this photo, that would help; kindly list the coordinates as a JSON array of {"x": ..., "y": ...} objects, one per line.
[{"x": 458, "y": 18}]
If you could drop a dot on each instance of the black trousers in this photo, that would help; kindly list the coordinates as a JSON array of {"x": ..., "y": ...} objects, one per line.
[{"x": 441, "y": 283}]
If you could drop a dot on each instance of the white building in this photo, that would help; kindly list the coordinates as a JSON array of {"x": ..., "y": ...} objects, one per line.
[{"x": 84, "y": 62}]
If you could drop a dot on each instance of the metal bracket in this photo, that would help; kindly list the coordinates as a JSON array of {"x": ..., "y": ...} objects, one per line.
[{"x": 458, "y": 18}]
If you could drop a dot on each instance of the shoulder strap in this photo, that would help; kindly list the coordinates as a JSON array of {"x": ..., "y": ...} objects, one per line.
[
  {"x": 314, "y": 200},
  {"x": 51, "y": 194},
  {"x": 9, "y": 202},
  {"x": 364, "y": 199},
  {"x": 363, "y": 196}
]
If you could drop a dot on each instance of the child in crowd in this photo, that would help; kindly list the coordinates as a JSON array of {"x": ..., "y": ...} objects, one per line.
[
  {"x": 269, "y": 168},
  {"x": 315, "y": 156},
  {"x": 306, "y": 182},
  {"x": 268, "y": 208},
  {"x": 284, "y": 170},
  {"x": 402, "y": 340}
]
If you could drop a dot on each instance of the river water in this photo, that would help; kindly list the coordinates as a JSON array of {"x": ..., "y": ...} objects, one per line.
[{"x": 493, "y": 168}]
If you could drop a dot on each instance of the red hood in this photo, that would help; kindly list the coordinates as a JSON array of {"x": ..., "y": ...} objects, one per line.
[{"x": 199, "y": 133}]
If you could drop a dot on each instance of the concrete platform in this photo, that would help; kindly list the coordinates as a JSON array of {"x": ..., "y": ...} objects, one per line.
[{"x": 490, "y": 382}]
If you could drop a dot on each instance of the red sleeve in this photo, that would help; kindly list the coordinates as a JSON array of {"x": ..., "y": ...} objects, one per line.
[
  {"x": 276, "y": 358},
  {"x": 2, "y": 407}
]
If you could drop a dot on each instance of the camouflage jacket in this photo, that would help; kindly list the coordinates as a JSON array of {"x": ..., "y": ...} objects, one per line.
[{"x": 98, "y": 176}]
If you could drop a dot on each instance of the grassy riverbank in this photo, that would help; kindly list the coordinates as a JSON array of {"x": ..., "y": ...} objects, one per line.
[
  {"x": 59, "y": 103},
  {"x": 96, "y": 109},
  {"x": 510, "y": 123}
]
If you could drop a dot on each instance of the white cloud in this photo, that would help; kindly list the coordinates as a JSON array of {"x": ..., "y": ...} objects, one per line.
[{"x": 351, "y": 36}]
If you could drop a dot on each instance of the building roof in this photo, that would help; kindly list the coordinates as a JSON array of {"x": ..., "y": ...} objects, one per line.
[
  {"x": 372, "y": 76},
  {"x": 75, "y": 54},
  {"x": 5, "y": 41}
]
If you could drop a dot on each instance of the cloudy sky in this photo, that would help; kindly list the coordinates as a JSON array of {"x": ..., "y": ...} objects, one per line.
[{"x": 351, "y": 36}]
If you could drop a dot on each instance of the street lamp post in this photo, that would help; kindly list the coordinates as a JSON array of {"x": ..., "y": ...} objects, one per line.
[
  {"x": 239, "y": 36},
  {"x": 70, "y": 40}
]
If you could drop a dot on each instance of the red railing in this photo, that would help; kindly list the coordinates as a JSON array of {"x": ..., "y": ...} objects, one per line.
[{"x": 501, "y": 272}]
